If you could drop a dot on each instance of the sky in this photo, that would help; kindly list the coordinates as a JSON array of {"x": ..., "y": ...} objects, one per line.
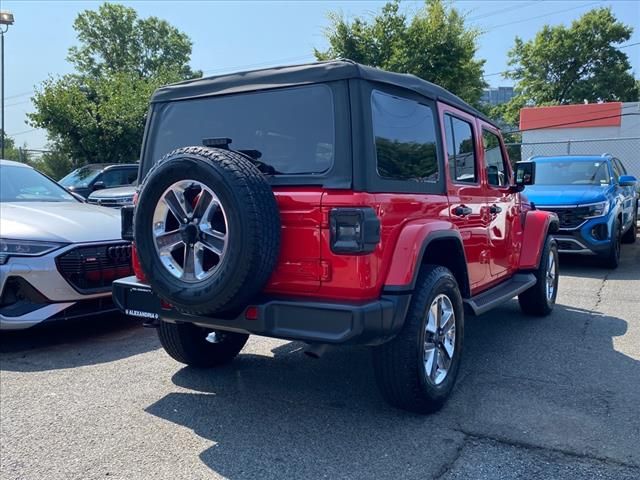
[{"x": 237, "y": 35}]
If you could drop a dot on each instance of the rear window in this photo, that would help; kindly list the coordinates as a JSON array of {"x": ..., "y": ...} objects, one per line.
[{"x": 292, "y": 128}]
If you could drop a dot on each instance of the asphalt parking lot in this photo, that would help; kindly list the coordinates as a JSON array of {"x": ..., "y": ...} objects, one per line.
[{"x": 536, "y": 398}]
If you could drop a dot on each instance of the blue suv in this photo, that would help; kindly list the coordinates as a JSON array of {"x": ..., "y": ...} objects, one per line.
[{"x": 595, "y": 200}]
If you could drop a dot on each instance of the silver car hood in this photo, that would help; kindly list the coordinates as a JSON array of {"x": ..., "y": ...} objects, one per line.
[
  {"x": 115, "y": 192},
  {"x": 70, "y": 222}
]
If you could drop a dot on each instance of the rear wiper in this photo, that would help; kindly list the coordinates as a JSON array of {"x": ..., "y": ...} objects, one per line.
[{"x": 253, "y": 155}]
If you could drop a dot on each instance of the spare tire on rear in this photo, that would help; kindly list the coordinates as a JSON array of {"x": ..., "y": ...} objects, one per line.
[{"x": 207, "y": 230}]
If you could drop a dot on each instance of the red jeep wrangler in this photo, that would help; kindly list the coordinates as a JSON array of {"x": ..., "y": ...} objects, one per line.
[{"x": 331, "y": 203}]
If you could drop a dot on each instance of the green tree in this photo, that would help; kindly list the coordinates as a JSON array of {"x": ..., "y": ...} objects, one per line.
[
  {"x": 434, "y": 45},
  {"x": 55, "y": 163},
  {"x": 97, "y": 114},
  {"x": 11, "y": 152},
  {"x": 114, "y": 40},
  {"x": 565, "y": 65}
]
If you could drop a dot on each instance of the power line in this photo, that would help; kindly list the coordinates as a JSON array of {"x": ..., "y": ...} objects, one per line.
[
  {"x": 18, "y": 103},
  {"x": 541, "y": 16},
  {"x": 19, "y": 95},
  {"x": 261, "y": 64},
  {"x": 21, "y": 133},
  {"x": 498, "y": 12}
]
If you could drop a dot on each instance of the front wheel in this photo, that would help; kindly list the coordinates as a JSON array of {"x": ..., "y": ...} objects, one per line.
[
  {"x": 416, "y": 370},
  {"x": 631, "y": 234},
  {"x": 611, "y": 259},
  {"x": 187, "y": 343},
  {"x": 540, "y": 299}
]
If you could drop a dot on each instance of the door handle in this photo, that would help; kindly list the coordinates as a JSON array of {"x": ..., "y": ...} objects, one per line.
[
  {"x": 493, "y": 209},
  {"x": 462, "y": 211}
]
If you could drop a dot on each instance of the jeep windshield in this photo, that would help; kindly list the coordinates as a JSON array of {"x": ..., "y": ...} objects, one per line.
[
  {"x": 572, "y": 173},
  {"x": 292, "y": 128}
]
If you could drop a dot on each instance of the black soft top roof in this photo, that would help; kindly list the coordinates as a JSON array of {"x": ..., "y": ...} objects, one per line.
[{"x": 317, "y": 72}]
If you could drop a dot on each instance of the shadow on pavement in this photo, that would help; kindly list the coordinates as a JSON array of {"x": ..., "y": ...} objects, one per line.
[
  {"x": 555, "y": 382},
  {"x": 74, "y": 343},
  {"x": 588, "y": 266}
]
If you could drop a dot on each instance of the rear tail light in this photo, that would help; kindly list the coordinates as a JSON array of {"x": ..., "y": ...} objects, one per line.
[
  {"x": 135, "y": 263},
  {"x": 354, "y": 230}
]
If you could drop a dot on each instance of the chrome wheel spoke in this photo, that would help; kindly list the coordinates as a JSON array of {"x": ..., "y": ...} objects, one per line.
[
  {"x": 204, "y": 202},
  {"x": 189, "y": 265},
  {"x": 448, "y": 321},
  {"x": 447, "y": 347},
  {"x": 214, "y": 240},
  {"x": 178, "y": 211},
  {"x": 167, "y": 242},
  {"x": 432, "y": 321},
  {"x": 433, "y": 368}
]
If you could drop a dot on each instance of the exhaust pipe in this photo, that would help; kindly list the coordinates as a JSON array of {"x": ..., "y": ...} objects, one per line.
[{"x": 316, "y": 350}]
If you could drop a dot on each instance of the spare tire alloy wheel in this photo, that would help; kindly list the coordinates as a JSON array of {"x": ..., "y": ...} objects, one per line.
[
  {"x": 193, "y": 250},
  {"x": 207, "y": 230}
]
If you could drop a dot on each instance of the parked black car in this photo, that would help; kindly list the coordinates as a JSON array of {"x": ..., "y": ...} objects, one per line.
[{"x": 97, "y": 176}]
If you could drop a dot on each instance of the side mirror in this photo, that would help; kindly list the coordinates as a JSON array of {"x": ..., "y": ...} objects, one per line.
[
  {"x": 525, "y": 173},
  {"x": 627, "y": 180},
  {"x": 99, "y": 185}
]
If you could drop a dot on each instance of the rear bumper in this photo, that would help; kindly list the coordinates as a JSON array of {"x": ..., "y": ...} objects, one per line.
[{"x": 311, "y": 321}]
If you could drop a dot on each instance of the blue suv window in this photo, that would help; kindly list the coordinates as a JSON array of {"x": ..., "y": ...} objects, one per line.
[{"x": 572, "y": 173}]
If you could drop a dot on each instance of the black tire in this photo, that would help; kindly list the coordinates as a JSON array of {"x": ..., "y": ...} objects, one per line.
[
  {"x": 632, "y": 233},
  {"x": 535, "y": 300},
  {"x": 611, "y": 259},
  {"x": 186, "y": 343},
  {"x": 399, "y": 364},
  {"x": 252, "y": 222}
]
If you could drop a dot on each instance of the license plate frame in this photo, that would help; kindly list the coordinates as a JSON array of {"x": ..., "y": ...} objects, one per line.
[{"x": 142, "y": 303}]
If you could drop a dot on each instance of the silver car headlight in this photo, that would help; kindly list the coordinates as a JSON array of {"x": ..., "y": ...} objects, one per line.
[
  {"x": 596, "y": 209},
  {"x": 25, "y": 248}
]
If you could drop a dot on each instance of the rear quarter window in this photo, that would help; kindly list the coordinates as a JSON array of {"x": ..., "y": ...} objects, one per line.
[{"x": 405, "y": 138}]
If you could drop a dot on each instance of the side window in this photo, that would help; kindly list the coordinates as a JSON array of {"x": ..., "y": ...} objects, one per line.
[
  {"x": 405, "y": 137},
  {"x": 131, "y": 175},
  {"x": 460, "y": 150},
  {"x": 623, "y": 171},
  {"x": 616, "y": 170},
  {"x": 496, "y": 172},
  {"x": 113, "y": 177}
]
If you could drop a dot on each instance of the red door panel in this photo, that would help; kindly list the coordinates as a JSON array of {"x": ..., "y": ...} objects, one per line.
[{"x": 465, "y": 190}]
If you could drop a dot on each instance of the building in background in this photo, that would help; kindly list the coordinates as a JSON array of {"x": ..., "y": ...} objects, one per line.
[
  {"x": 497, "y": 95},
  {"x": 585, "y": 129}
]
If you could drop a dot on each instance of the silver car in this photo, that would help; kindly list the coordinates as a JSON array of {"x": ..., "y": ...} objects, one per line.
[
  {"x": 116, "y": 197},
  {"x": 58, "y": 256}
]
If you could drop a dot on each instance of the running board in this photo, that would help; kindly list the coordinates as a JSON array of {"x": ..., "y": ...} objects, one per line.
[{"x": 485, "y": 301}]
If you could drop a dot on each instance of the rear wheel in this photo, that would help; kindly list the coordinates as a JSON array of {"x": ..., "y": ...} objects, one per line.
[
  {"x": 416, "y": 370},
  {"x": 540, "y": 299},
  {"x": 187, "y": 343}
]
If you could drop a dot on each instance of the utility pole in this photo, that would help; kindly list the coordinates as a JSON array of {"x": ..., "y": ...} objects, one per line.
[{"x": 6, "y": 19}]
